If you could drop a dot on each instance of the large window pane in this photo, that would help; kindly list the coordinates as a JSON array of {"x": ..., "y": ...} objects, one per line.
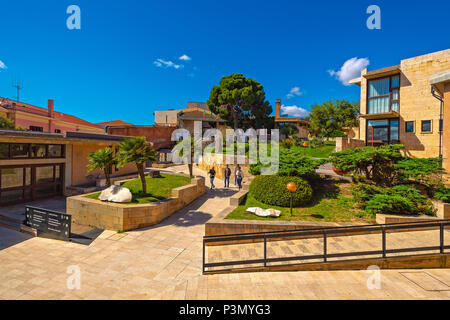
[
  {"x": 38, "y": 150},
  {"x": 378, "y": 105},
  {"x": 20, "y": 151},
  {"x": 4, "y": 151},
  {"x": 395, "y": 94},
  {"x": 44, "y": 191},
  {"x": 394, "y": 130},
  {"x": 44, "y": 174},
  {"x": 394, "y": 106},
  {"x": 395, "y": 82},
  {"x": 378, "y": 87},
  {"x": 12, "y": 177},
  {"x": 55, "y": 151},
  {"x": 426, "y": 126},
  {"x": 377, "y": 123}
]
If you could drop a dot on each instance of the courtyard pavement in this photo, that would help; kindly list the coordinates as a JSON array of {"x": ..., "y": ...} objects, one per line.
[{"x": 164, "y": 262}]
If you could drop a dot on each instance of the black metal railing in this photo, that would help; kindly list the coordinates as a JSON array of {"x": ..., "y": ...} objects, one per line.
[{"x": 324, "y": 233}]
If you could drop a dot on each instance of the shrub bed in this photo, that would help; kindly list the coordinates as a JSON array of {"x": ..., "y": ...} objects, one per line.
[
  {"x": 401, "y": 199},
  {"x": 271, "y": 190}
]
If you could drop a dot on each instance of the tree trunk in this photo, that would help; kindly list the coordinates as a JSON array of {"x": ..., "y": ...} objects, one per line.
[
  {"x": 108, "y": 179},
  {"x": 140, "y": 168},
  {"x": 191, "y": 169}
]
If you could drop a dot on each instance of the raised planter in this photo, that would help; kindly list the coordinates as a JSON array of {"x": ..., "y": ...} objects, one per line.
[
  {"x": 442, "y": 209},
  {"x": 125, "y": 217}
]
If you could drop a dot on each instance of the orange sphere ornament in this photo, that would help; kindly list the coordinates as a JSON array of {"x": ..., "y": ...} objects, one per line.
[{"x": 292, "y": 187}]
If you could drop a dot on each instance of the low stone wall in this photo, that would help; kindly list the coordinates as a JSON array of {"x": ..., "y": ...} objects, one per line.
[
  {"x": 344, "y": 143},
  {"x": 125, "y": 217},
  {"x": 442, "y": 209}
]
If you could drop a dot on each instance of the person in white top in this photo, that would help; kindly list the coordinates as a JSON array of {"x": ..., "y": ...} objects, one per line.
[{"x": 239, "y": 176}]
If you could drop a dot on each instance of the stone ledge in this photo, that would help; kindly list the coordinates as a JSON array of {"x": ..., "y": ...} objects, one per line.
[{"x": 125, "y": 217}]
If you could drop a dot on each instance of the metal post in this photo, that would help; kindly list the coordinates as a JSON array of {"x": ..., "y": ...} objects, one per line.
[
  {"x": 442, "y": 237},
  {"x": 203, "y": 265},
  {"x": 265, "y": 251},
  {"x": 384, "y": 241},
  {"x": 291, "y": 204},
  {"x": 324, "y": 246}
]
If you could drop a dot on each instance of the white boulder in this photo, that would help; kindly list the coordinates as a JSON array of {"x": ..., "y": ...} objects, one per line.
[
  {"x": 116, "y": 194},
  {"x": 264, "y": 212}
]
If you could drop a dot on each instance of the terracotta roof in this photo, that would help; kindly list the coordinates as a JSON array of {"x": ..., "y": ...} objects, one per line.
[
  {"x": 114, "y": 123},
  {"x": 29, "y": 108}
]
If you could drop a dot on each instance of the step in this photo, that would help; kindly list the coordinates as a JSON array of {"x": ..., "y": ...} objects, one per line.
[
  {"x": 9, "y": 225},
  {"x": 10, "y": 219}
]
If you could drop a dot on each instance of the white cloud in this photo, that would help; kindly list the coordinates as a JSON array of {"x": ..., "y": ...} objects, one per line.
[
  {"x": 295, "y": 91},
  {"x": 2, "y": 65},
  {"x": 185, "y": 57},
  {"x": 351, "y": 69},
  {"x": 160, "y": 63},
  {"x": 294, "y": 111}
]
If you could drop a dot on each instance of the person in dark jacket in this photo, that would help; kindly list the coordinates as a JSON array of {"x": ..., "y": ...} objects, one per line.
[
  {"x": 226, "y": 177},
  {"x": 212, "y": 175}
]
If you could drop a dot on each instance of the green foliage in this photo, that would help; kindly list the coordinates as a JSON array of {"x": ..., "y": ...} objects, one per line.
[
  {"x": 443, "y": 194},
  {"x": 102, "y": 159},
  {"x": 400, "y": 199},
  {"x": 138, "y": 151},
  {"x": 292, "y": 163},
  {"x": 287, "y": 143},
  {"x": 330, "y": 118},
  {"x": 6, "y": 123},
  {"x": 288, "y": 130},
  {"x": 426, "y": 171},
  {"x": 272, "y": 190},
  {"x": 241, "y": 102},
  {"x": 375, "y": 163},
  {"x": 316, "y": 143}
]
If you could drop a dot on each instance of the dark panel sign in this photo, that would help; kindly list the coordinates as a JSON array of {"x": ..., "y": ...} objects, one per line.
[{"x": 47, "y": 222}]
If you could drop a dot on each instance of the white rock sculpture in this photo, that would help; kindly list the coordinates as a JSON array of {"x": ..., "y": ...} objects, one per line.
[
  {"x": 116, "y": 194},
  {"x": 264, "y": 212}
]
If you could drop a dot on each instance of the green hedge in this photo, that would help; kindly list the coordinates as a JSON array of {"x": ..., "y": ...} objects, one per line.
[
  {"x": 401, "y": 199},
  {"x": 271, "y": 190}
]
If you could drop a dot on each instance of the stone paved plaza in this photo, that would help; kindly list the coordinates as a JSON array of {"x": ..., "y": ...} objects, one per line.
[{"x": 164, "y": 262}]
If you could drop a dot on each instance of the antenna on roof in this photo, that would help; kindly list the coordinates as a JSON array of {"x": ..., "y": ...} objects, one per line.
[{"x": 19, "y": 86}]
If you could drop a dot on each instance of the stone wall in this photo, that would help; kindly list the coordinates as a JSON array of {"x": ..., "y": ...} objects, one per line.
[
  {"x": 125, "y": 217},
  {"x": 219, "y": 161},
  {"x": 343, "y": 143}
]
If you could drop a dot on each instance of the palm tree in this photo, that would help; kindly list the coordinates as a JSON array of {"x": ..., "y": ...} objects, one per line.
[
  {"x": 137, "y": 151},
  {"x": 190, "y": 163},
  {"x": 102, "y": 159}
]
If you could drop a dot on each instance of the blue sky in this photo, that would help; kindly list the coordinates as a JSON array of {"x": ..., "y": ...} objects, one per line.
[{"x": 110, "y": 70}]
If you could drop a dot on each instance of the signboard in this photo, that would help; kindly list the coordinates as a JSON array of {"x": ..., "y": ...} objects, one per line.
[{"x": 47, "y": 222}]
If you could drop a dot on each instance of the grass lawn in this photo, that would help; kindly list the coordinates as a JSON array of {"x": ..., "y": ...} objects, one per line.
[
  {"x": 157, "y": 188},
  {"x": 319, "y": 152},
  {"x": 332, "y": 202}
]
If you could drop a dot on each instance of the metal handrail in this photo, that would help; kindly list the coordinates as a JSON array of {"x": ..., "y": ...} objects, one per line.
[{"x": 325, "y": 232}]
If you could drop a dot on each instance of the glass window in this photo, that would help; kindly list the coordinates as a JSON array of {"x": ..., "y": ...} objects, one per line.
[
  {"x": 55, "y": 151},
  {"x": 394, "y": 106},
  {"x": 12, "y": 178},
  {"x": 378, "y": 87},
  {"x": 394, "y": 131},
  {"x": 4, "y": 151},
  {"x": 395, "y": 82},
  {"x": 377, "y": 123},
  {"x": 441, "y": 125},
  {"x": 38, "y": 150},
  {"x": 44, "y": 174},
  {"x": 409, "y": 126},
  {"x": 379, "y": 105},
  {"x": 11, "y": 195},
  {"x": 426, "y": 125},
  {"x": 395, "y": 94},
  {"x": 28, "y": 176},
  {"x": 57, "y": 172},
  {"x": 20, "y": 151}
]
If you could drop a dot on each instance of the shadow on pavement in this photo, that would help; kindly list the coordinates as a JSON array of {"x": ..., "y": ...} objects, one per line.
[{"x": 10, "y": 237}]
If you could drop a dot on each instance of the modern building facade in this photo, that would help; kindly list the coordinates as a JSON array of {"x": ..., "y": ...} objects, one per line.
[
  {"x": 185, "y": 118},
  {"x": 34, "y": 118},
  {"x": 402, "y": 104},
  {"x": 36, "y": 165}
]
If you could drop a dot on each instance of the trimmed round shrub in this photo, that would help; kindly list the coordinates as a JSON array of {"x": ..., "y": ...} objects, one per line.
[{"x": 272, "y": 190}]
